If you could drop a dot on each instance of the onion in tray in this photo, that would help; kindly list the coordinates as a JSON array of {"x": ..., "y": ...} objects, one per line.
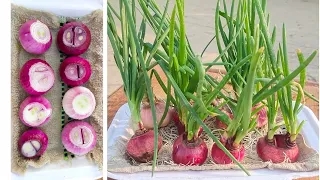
[
  {"x": 79, "y": 102},
  {"x": 74, "y": 38},
  {"x": 35, "y": 111},
  {"x": 35, "y": 37},
  {"x": 33, "y": 143},
  {"x": 79, "y": 137},
  {"x": 75, "y": 71},
  {"x": 36, "y": 77}
]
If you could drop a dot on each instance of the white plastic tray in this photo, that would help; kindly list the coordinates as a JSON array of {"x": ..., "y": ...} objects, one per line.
[
  {"x": 79, "y": 168},
  {"x": 120, "y": 122}
]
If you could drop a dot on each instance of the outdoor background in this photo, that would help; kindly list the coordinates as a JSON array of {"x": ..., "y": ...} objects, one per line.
[{"x": 300, "y": 16}]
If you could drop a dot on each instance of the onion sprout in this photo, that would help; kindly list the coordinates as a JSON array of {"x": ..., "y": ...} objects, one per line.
[{"x": 131, "y": 63}]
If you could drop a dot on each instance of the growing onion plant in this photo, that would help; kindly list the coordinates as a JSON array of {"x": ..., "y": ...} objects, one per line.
[
  {"x": 130, "y": 57},
  {"x": 193, "y": 93},
  {"x": 194, "y": 89},
  {"x": 241, "y": 125},
  {"x": 277, "y": 147}
]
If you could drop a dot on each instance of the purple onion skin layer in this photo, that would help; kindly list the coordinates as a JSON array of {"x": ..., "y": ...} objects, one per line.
[
  {"x": 278, "y": 151},
  {"x": 67, "y": 143},
  {"x": 187, "y": 153},
  {"x": 146, "y": 115},
  {"x": 29, "y": 43},
  {"x": 79, "y": 61},
  {"x": 34, "y": 134},
  {"x": 72, "y": 49},
  {"x": 31, "y": 99},
  {"x": 25, "y": 78},
  {"x": 262, "y": 118},
  {"x": 141, "y": 146},
  {"x": 179, "y": 125},
  {"x": 219, "y": 157}
]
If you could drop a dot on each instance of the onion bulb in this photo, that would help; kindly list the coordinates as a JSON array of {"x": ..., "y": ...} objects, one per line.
[
  {"x": 146, "y": 115},
  {"x": 74, "y": 38},
  {"x": 79, "y": 102},
  {"x": 218, "y": 123},
  {"x": 79, "y": 137},
  {"x": 180, "y": 125},
  {"x": 189, "y": 153},
  {"x": 36, "y": 77},
  {"x": 278, "y": 150},
  {"x": 220, "y": 157},
  {"x": 262, "y": 117},
  {"x": 75, "y": 71},
  {"x": 33, "y": 143},
  {"x": 141, "y": 146},
  {"x": 35, "y": 111},
  {"x": 35, "y": 37}
]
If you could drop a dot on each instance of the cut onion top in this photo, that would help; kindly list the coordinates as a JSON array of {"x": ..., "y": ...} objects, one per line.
[
  {"x": 35, "y": 111},
  {"x": 36, "y": 77},
  {"x": 33, "y": 143},
  {"x": 79, "y": 137},
  {"x": 75, "y": 71},
  {"x": 74, "y": 38},
  {"x": 35, "y": 37},
  {"x": 79, "y": 102}
]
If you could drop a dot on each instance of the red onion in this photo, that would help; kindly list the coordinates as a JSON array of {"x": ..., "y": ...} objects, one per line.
[
  {"x": 79, "y": 137},
  {"x": 262, "y": 115},
  {"x": 74, "y": 38},
  {"x": 221, "y": 125},
  {"x": 180, "y": 126},
  {"x": 36, "y": 77},
  {"x": 141, "y": 146},
  {"x": 189, "y": 153},
  {"x": 35, "y": 111},
  {"x": 262, "y": 119},
  {"x": 219, "y": 157},
  {"x": 75, "y": 71},
  {"x": 146, "y": 115},
  {"x": 79, "y": 102},
  {"x": 177, "y": 122},
  {"x": 35, "y": 37},
  {"x": 277, "y": 150},
  {"x": 33, "y": 143}
]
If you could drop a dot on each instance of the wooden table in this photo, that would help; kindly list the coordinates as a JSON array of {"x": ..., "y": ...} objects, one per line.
[{"x": 118, "y": 98}]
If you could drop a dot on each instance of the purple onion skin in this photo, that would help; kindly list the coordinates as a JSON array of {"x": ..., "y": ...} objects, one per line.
[
  {"x": 75, "y": 60},
  {"x": 25, "y": 78},
  {"x": 69, "y": 145},
  {"x": 34, "y": 134},
  {"x": 187, "y": 153},
  {"x": 141, "y": 146},
  {"x": 29, "y": 43},
  {"x": 277, "y": 151},
  {"x": 31, "y": 99},
  {"x": 220, "y": 157},
  {"x": 69, "y": 50}
]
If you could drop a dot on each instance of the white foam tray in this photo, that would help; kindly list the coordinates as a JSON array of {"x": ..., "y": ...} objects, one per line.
[
  {"x": 310, "y": 131},
  {"x": 78, "y": 168}
]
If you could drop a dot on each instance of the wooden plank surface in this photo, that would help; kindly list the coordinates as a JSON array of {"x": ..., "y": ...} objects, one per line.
[{"x": 118, "y": 98}]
